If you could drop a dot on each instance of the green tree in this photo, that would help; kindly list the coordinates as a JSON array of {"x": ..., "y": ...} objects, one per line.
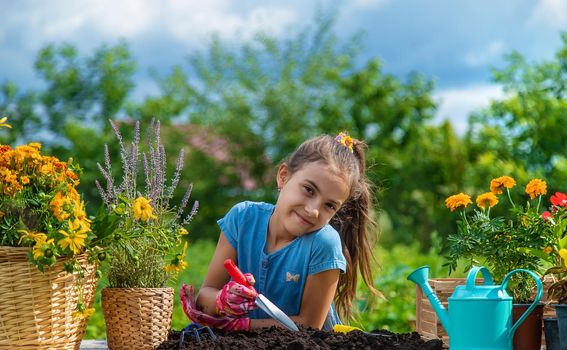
[{"x": 527, "y": 127}]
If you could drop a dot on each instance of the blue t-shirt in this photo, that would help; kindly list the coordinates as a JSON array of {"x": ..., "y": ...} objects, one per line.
[{"x": 280, "y": 275}]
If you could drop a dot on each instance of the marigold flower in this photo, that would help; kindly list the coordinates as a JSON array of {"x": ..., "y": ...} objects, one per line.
[
  {"x": 536, "y": 187},
  {"x": 487, "y": 199},
  {"x": 182, "y": 232},
  {"x": 559, "y": 199},
  {"x": 502, "y": 181},
  {"x": 143, "y": 210},
  {"x": 547, "y": 250},
  {"x": 458, "y": 200},
  {"x": 59, "y": 205},
  {"x": 25, "y": 180}
]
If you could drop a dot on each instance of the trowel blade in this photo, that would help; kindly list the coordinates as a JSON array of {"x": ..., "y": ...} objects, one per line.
[{"x": 275, "y": 312}]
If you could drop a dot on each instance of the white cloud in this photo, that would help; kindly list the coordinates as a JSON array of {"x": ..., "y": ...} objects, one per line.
[
  {"x": 458, "y": 103},
  {"x": 485, "y": 55},
  {"x": 186, "y": 22},
  {"x": 551, "y": 13},
  {"x": 103, "y": 20},
  {"x": 369, "y": 4}
]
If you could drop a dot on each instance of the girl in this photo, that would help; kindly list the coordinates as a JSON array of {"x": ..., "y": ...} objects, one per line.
[{"x": 299, "y": 253}]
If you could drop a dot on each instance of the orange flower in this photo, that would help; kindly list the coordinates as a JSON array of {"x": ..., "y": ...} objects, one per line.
[
  {"x": 535, "y": 188},
  {"x": 502, "y": 181},
  {"x": 487, "y": 199},
  {"x": 458, "y": 200}
]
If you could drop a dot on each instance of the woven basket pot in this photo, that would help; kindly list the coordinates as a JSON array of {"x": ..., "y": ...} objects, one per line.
[
  {"x": 137, "y": 318},
  {"x": 36, "y": 308}
]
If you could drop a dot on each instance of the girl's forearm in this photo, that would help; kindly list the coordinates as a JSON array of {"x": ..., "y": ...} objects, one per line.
[{"x": 206, "y": 300}]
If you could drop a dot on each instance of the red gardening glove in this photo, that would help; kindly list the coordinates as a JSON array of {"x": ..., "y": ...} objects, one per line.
[
  {"x": 236, "y": 299},
  {"x": 228, "y": 323}
]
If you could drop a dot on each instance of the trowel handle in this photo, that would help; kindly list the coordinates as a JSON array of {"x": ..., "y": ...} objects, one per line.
[{"x": 235, "y": 272}]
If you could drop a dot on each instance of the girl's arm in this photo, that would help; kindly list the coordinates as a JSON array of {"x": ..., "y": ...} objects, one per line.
[
  {"x": 317, "y": 297},
  {"x": 216, "y": 276}
]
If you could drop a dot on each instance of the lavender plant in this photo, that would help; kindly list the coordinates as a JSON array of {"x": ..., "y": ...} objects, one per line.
[{"x": 149, "y": 233}]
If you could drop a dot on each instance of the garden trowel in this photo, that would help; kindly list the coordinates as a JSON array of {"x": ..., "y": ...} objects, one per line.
[{"x": 261, "y": 301}]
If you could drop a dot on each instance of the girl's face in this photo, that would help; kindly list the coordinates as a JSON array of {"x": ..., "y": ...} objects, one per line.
[{"x": 309, "y": 198}]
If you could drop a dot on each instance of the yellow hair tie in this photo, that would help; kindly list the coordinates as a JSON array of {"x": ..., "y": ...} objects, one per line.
[{"x": 345, "y": 140}]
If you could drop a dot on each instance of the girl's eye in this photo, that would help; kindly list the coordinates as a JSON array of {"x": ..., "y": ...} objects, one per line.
[
  {"x": 331, "y": 206},
  {"x": 308, "y": 189}
]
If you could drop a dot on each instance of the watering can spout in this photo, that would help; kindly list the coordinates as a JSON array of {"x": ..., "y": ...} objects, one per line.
[{"x": 420, "y": 277}]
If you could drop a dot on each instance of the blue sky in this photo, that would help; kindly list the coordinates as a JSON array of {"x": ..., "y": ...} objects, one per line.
[{"x": 453, "y": 42}]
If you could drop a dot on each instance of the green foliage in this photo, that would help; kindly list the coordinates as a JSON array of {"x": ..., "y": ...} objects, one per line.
[{"x": 527, "y": 127}]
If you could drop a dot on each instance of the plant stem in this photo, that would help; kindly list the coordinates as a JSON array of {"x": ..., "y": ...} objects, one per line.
[{"x": 510, "y": 198}]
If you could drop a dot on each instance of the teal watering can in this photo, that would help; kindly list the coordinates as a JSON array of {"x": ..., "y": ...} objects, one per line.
[{"x": 479, "y": 316}]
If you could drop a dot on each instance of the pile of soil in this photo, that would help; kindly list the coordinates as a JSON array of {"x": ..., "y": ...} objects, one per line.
[{"x": 306, "y": 338}]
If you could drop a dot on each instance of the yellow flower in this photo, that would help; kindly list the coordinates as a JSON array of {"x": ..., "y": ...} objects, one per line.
[
  {"x": 74, "y": 239},
  {"x": 83, "y": 313},
  {"x": 3, "y": 123},
  {"x": 345, "y": 140},
  {"x": 502, "y": 181},
  {"x": 536, "y": 187},
  {"x": 487, "y": 199},
  {"x": 58, "y": 206},
  {"x": 563, "y": 254},
  {"x": 142, "y": 209},
  {"x": 547, "y": 250},
  {"x": 182, "y": 232},
  {"x": 178, "y": 263},
  {"x": 457, "y": 200},
  {"x": 38, "y": 249},
  {"x": 25, "y": 180}
]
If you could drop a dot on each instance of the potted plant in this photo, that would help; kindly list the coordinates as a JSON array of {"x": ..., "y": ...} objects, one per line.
[
  {"x": 556, "y": 258},
  {"x": 48, "y": 253},
  {"x": 152, "y": 241},
  {"x": 514, "y": 240}
]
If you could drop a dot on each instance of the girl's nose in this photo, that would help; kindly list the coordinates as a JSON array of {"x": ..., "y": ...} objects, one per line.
[{"x": 312, "y": 211}]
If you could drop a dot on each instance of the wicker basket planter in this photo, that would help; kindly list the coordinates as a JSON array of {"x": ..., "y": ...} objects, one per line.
[
  {"x": 36, "y": 308},
  {"x": 137, "y": 318},
  {"x": 428, "y": 324}
]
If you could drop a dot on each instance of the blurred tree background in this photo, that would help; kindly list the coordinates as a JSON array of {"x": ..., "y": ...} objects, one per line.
[{"x": 238, "y": 111}]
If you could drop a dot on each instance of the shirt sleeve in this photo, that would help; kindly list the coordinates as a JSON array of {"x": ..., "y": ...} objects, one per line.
[
  {"x": 327, "y": 253},
  {"x": 230, "y": 223}
]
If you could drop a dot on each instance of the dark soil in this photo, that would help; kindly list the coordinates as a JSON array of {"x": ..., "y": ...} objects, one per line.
[{"x": 306, "y": 338}]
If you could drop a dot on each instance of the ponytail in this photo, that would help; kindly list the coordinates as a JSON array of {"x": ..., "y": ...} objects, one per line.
[{"x": 358, "y": 233}]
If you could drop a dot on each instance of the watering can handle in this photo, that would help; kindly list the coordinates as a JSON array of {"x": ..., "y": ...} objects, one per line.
[
  {"x": 533, "y": 305},
  {"x": 471, "y": 277}
]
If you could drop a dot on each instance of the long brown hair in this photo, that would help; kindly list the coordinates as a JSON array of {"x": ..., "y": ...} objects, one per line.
[{"x": 356, "y": 227}]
